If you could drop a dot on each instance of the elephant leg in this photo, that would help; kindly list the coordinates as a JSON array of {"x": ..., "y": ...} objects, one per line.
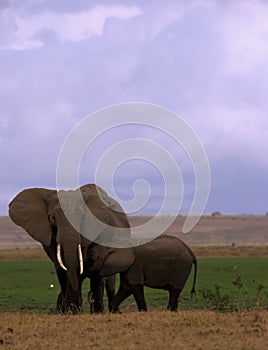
[
  {"x": 110, "y": 290},
  {"x": 174, "y": 294},
  {"x": 94, "y": 306},
  {"x": 120, "y": 296},
  {"x": 90, "y": 302},
  {"x": 138, "y": 292},
  {"x": 61, "y": 274},
  {"x": 96, "y": 287},
  {"x": 70, "y": 300},
  {"x": 62, "y": 278}
]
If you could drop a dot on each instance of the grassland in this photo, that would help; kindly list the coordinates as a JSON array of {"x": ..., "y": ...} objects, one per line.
[
  {"x": 223, "y": 284},
  {"x": 229, "y": 310}
]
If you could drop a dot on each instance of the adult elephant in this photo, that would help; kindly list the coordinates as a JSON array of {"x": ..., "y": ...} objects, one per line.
[
  {"x": 56, "y": 220},
  {"x": 163, "y": 263}
]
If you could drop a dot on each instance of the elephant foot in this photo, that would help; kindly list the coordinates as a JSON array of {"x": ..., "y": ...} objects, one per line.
[
  {"x": 95, "y": 309},
  {"x": 116, "y": 311},
  {"x": 60, "y": 305},
  {"x": 94, "y": 306},
  {"x": 172, "y": 308},
  {"x": 65, "y": 307},
  {"x": 74, "y": 309},
  {"x": 110, "y": 307}
]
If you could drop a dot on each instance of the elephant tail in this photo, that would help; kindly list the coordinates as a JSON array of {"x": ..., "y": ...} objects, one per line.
[
  {"x": 195, "y": 266},
  {"x": 195, "y": 273}
]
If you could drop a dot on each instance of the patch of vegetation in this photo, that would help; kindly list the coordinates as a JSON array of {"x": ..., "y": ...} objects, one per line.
[
  {"x": 239, "y": 293},
  {"x": 222, "y": 285},
  {"x": 215, "y": 300},
  {"x": 216, "y": 213}
]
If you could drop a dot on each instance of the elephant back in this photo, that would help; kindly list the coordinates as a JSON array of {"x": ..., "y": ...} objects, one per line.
[{"x": 163, "y": 261}]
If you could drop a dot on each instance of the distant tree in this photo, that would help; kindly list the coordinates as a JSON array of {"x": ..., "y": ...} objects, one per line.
[{"x": 216, "y": 213}]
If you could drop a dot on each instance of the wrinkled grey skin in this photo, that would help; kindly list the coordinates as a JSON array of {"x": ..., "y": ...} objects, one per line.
[
  {"x": 164, "y": 263},
  {"x": 39, "y": 212}
]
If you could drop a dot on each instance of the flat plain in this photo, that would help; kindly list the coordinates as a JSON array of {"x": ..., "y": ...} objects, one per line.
[
  {"x": 210, "y": 230},
  {"x": 240, "y": 239}
]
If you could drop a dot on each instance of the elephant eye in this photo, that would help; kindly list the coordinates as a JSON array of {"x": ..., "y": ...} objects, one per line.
[{"x": 52, "y": 218}]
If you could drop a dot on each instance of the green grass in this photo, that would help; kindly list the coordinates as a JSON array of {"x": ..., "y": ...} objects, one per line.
[
  {"x": 222, "y": 284},
  {"x": 25, "y": 286}
]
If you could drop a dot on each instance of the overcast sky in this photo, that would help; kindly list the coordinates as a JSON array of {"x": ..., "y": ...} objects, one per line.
[{"x": 204, "y": 60}]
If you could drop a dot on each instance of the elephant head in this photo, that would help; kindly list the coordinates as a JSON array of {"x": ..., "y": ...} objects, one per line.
[
  {"x": 57, "y": 219},
  {"x": 108, "y": 261}
]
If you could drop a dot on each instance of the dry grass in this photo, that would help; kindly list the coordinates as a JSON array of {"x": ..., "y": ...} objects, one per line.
[
  {"x": 223, "y": 236},
  {"x": 152, "y": 330},
  {"x": 256, "y": 251},
  {"x": 210, "y": 231},
  {"x": 201, "y": 252},
  {"x": 22, "y": 254},
  {"x": 219, "y": 230}
]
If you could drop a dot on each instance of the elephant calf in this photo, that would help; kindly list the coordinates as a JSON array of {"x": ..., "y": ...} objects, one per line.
[
  {"x": 108, "y": 284},
  {"x": 163, "y": 263}
]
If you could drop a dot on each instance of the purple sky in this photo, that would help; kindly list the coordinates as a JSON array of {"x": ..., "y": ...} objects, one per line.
[{"x": 205, "y": 60}]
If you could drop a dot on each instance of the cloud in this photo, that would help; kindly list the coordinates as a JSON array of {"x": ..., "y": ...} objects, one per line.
[
  {"x": 27, "y": 31},
  {"x": 235, "y": 133},
  {"x": 205, "y": 60},
  {"x": 245, "y": 34}
]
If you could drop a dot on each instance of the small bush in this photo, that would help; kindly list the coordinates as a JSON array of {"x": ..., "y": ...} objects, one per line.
[
  {"x": 215, "y": 300},
  {"x": 216, "y": 213}
]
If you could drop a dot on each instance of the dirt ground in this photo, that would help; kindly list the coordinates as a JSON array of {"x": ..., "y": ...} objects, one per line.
[
  {"x": 153, "y": 330},
  {"x": 210, "y": 231},
  {"x": 214, "y": 236},
  {"x": 223, "y": 230}
]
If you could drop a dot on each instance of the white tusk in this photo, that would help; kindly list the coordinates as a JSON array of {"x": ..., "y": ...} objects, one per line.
[
  {"x": 80, "y": 258},
  {"x": 59, "y": 258}
]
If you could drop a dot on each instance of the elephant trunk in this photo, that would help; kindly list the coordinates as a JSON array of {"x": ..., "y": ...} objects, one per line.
[{"x": 69, "y": 254}]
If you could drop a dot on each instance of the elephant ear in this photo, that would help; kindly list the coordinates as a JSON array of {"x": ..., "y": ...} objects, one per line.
[
  {"x": 29, "y": 210},
  {"x": 118, "y": 260},
  {"x": 95, "y": 190},
  {"x": 102, "y": 207}
]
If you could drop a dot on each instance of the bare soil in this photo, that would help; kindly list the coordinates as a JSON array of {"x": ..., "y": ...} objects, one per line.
[
  {"x": 218, "y": 230},
  {"x": 223, "y": 236},
  {"x": 210, "y": 231},
  {"x": 152, "y": 330}
]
